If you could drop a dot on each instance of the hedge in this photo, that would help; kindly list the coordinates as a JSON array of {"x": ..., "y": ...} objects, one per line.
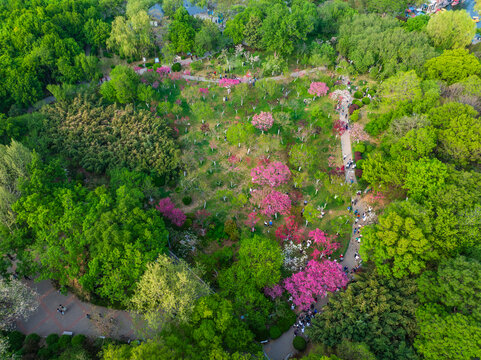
[
  {"x": 299, "y": 343},
  {"x": 15, "y": 339},
  {"x": 366, "y": 101},
  {"x": 65, "y": 341},
  {"x": 275, "y": 332},
  {"x": 358, "y": 94},
  {"x": 187, "y": 200},
  {"x": 52, "y": 339}
]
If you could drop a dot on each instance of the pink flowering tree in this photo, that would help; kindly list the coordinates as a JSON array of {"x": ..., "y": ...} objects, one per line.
[
  {"x": 274, "y": 174},
  {"x": 169, "y": 211},
  {"x": 276, "y": 203},
  {"x": 318, "y": 89},
  {"x": 163, "y": 70},
  {"x": 228, "y": 82},
  {"x": 274, "y": 292},
  {"x": 252, "y": 220},
  {"x": 324, "y": 241},
  {"x": 263, "y": 121},
  {"x": 290, "y": 231},
  {"x": 316, "y": 280},
  {"x": 204, "y": 92}
]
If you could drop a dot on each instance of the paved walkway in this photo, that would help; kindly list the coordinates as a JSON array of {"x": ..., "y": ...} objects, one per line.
[
  {"x": 46, "y": 320},
  {"x": 282, "y": 348}
]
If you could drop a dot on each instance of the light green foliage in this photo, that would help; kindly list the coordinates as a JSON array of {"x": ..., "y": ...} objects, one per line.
[
  {"x": 323, "y": 54},
  {"x": 373, "y": 310},
  {"x": 303, "y": 156},
  {"x": 450, "y": 337},
  {"x": 181, "y": 31},
  {"x": 417, "y": 23},
  {"x": 417, "y": 143},
  {"x": 202, "y": 111},
  {"x": 14, "y": 168},
  {"x": 453, "y": 66},
  {"x": 451, "y": 29},
  {"x": 131, "y": 37},
  {"x": 425, "y": 178},
  {"x": 150, "y": 350},
  {"x": 142, "y": 143},
  {"x": 97, "y": 32},
  {"x": 405, "y": 86},
  {"x": 165, "y": 292},
  {"x": 331, "y": 15},
  {"x": 274, "y": 65},
  {"x": 122, "y": 87},
  {"x": 240, "y": 133},
  {"x": 251, "y": 33},
  {"x": 460, "y": 140},
  {"x": 402, "y": 243},
  {"x": 382, "y": 45},
  {"x": 102, "y": 240}
]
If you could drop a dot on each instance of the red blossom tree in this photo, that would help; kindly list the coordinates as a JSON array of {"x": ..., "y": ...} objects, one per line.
[
  {"x": 251, "y": 221},
  {"x": 323, "y": 240},
  {"x": 316, "y": 280},
  {"x": 274, "y": 174},
  {"x": 318, "y": 89},
  {"x": 263, "y": 121},
  {"x": 276, "y": 203},
  {"x": 290, "y": 230},
  {"x": 168, "y": 210}
]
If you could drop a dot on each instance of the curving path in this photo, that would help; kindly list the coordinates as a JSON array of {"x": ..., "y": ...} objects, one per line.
[{"x": 282, "y": 348}]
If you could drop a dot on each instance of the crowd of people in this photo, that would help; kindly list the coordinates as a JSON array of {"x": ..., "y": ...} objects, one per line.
[{"x": 304, "y": 320}]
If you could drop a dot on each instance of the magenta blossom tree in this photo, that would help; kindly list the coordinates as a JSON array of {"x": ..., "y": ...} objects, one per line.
[
  {"x": 316, "y": 280},
  {"x": 318, "y": 89},
  {"x": 228, "y": 82},
  {"x": 263, "y": 121},
  {"x": 290, "y": 230},
  {"x": 276, "y": 203},
  {"x": 168, "y": 210},
  {"x": 325, "y": 242},
  {"x": 274, "y": 174}
]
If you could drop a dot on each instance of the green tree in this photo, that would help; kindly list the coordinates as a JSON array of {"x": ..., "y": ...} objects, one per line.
[
  {"x": 425, "y": 178},
  {"x": 251, "y": 33},
  {"x": 97, "y": 33},
  {"x": 450, "y": 337},
  {"x": 240, "y": 133},
  {"x": 453, "y": 66},
  {"x": 165, "y": 292},
  {"x": 181, "y": 31},
  {"x": 14, "y": 167},
  {"x": 373, "y": 310},
  {"x": 451, "y": 29},
  {"x": 171, "y": 6},
  {"x": 131, "y": 37},
  {"x": 122, "y": 87},
  {"x": 402, "y": 243},
  {"x": 208, "y": 38}
]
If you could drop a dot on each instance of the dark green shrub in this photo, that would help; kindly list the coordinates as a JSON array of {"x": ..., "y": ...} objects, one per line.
[
  {"x": 366, "y": 101},
  {"x": 275, "y": 332},
  {"x": 32, "y": 338},
  {"x": 187, "y": 223},
  {"x": 78, "y": 340},
  {"x": 108, "y": 55},
  {"x": 54, "y": 348},
  {"x": 148, "y": 64},
  {"x": 52, "y": 339},
  {"x": 65, "y": 341},
  {"x": 15, "y": 340},
  {"x": 176, "y": 67},
  {"x": 358, "y": 94},
  {"x": 45, "y": 353},
  {"x": 299, "y": 343},
  {"x": 261, "y": 333},
  {"x": 372, "y": 92},
  {"x": 357, "y": 102},
  {"x": 187, "y": 200}
]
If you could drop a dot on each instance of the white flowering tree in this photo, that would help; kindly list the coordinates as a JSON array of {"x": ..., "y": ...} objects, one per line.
[{"x": 17, "y": 301}]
